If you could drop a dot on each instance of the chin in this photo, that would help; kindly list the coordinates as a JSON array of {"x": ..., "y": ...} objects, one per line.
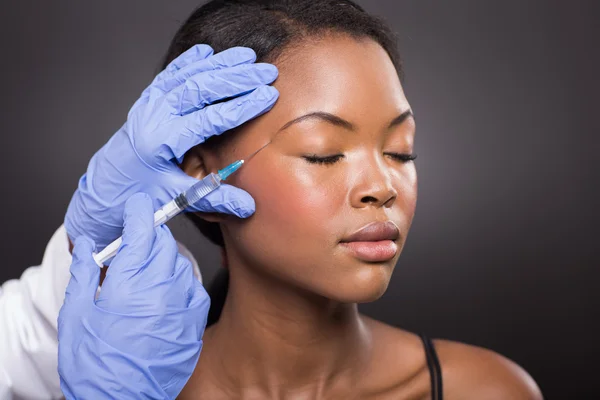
[{"x": 366, "y": 284}]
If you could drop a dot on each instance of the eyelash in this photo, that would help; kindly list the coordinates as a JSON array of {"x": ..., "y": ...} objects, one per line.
[
  {"x": 328, "y": 160},
  {"x": 314, "y": 159}
]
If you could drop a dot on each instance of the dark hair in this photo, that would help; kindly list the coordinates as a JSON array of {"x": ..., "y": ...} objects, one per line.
[{"x": 270, "y": 27}]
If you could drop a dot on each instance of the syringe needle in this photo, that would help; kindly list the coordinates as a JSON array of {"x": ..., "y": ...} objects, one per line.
[{"x": 253, "y": 154}]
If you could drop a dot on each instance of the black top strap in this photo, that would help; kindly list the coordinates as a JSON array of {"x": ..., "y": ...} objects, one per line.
[{"x": 435, "y": 371}]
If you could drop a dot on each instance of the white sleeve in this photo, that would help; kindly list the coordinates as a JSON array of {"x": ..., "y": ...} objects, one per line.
[
  {"x": 28, "y": 316},
  {"x": 29, "y": 309}
]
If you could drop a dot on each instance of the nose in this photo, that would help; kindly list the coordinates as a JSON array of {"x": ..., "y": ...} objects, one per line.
[{"x": 373, "y": 187}]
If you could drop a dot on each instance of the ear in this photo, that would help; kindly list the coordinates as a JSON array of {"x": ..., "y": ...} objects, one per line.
[
  {"x": 194, "y": 164},
  {"x": 197, "y": 163}
]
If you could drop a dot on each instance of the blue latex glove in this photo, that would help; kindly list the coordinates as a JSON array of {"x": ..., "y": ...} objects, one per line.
[
  {"x": 174, "y": 114},
  {"x": 142, "y": 337}
]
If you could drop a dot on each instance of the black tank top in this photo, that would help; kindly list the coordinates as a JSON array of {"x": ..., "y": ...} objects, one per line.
[{"x": 435, "y": 371}]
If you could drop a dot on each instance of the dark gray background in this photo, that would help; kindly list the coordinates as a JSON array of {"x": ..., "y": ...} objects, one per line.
[{"x": 505, "y": 93}]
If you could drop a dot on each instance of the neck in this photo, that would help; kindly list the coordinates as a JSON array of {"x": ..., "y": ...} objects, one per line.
[{"x": 276, "y": 336}]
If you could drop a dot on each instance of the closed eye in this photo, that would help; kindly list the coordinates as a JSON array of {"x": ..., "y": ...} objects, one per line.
[
  {"x": 402, "y": 157},
  {"x": 314, "y": 159},
  {"x": 328, "y": 160}
]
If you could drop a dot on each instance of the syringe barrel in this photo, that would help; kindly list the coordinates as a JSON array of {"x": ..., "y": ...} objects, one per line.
[
  {"x": 168, "y": 211},
  {"x": 199, "y": 190},
  {"x": 161, "y": 216}
]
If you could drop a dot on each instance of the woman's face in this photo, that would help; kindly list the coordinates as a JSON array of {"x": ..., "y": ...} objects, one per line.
[{"x": 325, "y": 177}]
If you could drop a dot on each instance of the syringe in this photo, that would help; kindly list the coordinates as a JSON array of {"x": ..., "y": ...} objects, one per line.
[{"x": 177, "y": 205}]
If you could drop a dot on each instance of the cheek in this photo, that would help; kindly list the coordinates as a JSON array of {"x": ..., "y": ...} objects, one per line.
[
  {"x": 294, "y": 228},
  {"x": 297, "y": 202},
  {"x": 409, "y": 189}
]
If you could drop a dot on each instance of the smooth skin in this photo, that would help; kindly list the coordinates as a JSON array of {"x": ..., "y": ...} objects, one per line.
[{"x": 290, "y": 327}]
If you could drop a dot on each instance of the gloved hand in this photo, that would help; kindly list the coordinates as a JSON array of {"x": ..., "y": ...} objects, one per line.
[
  {"x": 174, "y": 114},
  {"x": 142, "y": 337}
]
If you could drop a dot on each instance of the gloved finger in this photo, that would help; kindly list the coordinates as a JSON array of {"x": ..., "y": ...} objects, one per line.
[
  {"x": 196, "y": 52},
  {"x": 161, "y": 264},
  {"x": 193, "y": 54},
  {"x": 151, "y": 288},
  {"x": 185, "y": 271},
  {"x": 175, "y": 290},
  {"x": 206, "y": 88},
  {"x": 193, "y": 294},
  {"x": 227, "y": 58},
  {"x": 85, "y": 274},
  {"x": 226, "y": 199},
  {"x": 138, "y": 238},
  {"x": 192, "y": 129},
  {"x": 200, "y": 303}
]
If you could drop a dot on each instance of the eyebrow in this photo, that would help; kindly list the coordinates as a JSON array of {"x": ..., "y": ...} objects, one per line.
[{"x": 337, "y": 121}]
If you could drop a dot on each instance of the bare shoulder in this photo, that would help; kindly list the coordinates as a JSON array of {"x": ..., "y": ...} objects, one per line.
[
  {"x": 400, "y": 370},
  {"x": 482, "y": 374}
]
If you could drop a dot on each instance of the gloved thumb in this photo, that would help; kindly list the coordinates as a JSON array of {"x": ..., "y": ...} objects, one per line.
[
  {"x": 226, "y": 199},
  {"x": 85, "y": 274}
]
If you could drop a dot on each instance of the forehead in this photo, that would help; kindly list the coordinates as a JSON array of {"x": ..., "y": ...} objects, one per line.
[
  {"x": 339, "y": 74},
  {"x": 353, "y": 79}
]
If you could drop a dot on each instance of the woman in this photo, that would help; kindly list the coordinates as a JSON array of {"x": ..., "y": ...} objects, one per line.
[{"x": 335, "y": 192}]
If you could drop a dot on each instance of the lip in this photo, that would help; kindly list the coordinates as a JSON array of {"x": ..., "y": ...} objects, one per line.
[
  {"x": 374, "y": 232},
  {"x": 375, "y": 242}
]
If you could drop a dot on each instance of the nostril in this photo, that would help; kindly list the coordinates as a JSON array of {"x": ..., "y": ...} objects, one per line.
[{"x": 368, "y": 199}]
